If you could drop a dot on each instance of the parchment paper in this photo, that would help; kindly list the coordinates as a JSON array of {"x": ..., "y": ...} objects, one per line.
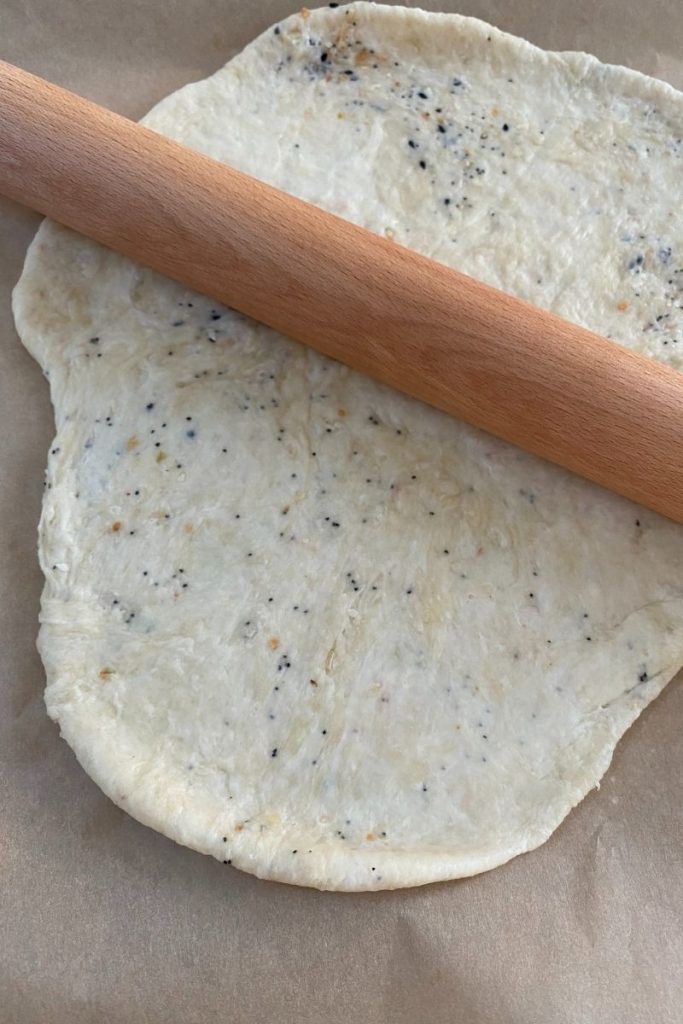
[{"x": 102, "y": 919}]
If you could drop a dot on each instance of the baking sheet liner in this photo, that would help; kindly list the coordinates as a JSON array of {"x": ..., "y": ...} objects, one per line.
[{"x": 102, "y": 919}]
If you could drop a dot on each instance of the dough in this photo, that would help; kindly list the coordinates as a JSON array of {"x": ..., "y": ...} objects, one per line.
[{"x": 301, "y": 622}]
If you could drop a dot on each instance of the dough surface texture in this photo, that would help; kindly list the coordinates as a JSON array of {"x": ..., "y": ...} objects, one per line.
[{"x": 296, "y": 620}]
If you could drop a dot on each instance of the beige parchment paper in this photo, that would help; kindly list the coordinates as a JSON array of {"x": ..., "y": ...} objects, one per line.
[{"x": 104, "y": 920}]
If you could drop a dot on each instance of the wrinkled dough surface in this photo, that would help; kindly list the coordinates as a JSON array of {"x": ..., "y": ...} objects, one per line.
[{"x": 294, "y": 619}]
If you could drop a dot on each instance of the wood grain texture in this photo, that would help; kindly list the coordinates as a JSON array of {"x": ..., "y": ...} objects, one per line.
[{"x": 521, "y": 373}]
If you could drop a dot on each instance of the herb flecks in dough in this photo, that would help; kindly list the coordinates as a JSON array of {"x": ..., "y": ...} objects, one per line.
[{"x": 303, "y": 623}]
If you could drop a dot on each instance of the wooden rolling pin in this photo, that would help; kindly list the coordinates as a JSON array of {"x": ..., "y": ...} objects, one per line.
[{"x": 546, "y": 385}]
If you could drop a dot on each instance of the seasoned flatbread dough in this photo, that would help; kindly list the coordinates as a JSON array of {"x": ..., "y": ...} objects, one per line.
[{"x": 301, "y": 622}]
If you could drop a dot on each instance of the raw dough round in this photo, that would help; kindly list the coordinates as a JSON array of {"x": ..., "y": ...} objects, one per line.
[{"x": 301, "y": 622}]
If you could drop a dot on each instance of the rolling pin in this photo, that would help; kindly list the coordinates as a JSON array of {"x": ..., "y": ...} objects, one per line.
[{"x": 501, "y": 364}]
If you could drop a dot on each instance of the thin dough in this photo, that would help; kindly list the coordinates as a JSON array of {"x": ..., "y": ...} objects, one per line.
[{"x": 298, "y": 621}]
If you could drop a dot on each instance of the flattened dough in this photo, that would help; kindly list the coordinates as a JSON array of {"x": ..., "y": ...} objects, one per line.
[{"x": 300, "y": 622}]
